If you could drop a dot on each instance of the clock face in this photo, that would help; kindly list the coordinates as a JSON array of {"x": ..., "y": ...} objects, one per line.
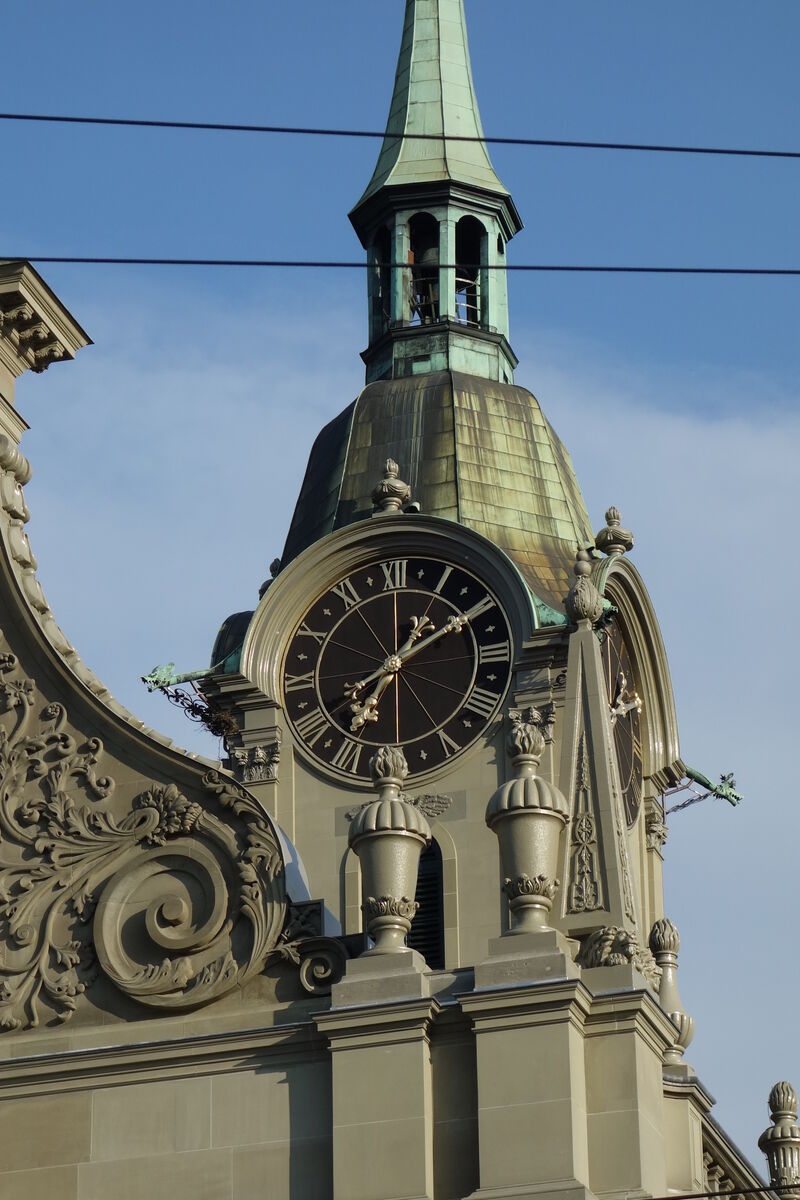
[
  {"x": 412, "y": 652},
  {"x": 626, "y": 715}
]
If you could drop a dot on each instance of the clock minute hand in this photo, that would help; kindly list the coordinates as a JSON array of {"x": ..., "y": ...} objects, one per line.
[{"x": 452, "y": 625}]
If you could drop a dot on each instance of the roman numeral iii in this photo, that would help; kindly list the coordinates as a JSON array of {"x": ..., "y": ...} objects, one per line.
[
  {"x": 499, "y": 652},
  {"x": 481, "y": 701},
  {"x": 312, "y": 726},
  {"x": 347, "y": 756}
]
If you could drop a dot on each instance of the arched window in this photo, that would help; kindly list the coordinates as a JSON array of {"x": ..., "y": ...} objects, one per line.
[
  {"x": 382, "y": 280},
  {"x": 427, "y": 928},
  {"x": 423, "y": 258},
  {"x": 470, "y": 273}
]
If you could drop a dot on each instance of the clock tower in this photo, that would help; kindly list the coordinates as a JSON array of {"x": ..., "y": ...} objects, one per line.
[{"x": 429, "y": 590}]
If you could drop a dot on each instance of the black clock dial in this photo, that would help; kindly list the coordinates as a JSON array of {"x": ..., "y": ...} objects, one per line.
[
  {"x": 414, "y": 652},
  {"x": 625, "y": 712}
]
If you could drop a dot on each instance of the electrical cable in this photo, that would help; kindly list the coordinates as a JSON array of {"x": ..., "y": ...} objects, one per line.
[
  {"x": 775, "y": 1188},
  {"x": 305, "y": 131},
  {"x": 330, "y": 265}
]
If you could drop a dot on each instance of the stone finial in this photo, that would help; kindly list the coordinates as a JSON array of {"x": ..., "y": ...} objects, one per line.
[
  {"x": 613, "y": 540},
  {"x": 584, "y": 602},
  {"x": 391, "y": 494},
  {"x": 665, "y": 943},
  {"x": 388, "y": 768},
  {"x": 274, "y": 571},
  {"x": 530, "y": 730},
  {"x": 781, "y": 1141}
]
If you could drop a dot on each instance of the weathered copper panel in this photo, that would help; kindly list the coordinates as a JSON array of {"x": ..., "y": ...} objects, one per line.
[{"x": 474, "y": 450}]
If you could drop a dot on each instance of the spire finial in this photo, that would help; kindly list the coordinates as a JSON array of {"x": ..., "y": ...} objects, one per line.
[
  {"x": 391, "y": 494},
  {"x": 613, "y": 540}
]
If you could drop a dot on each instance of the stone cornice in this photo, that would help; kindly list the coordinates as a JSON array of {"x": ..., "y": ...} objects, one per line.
[
  {"x": 628, "y": 1011},
  {"x": 387, "y": 1024},
  {"x": 534, "y": 1004},
  {"x": 35, "y": 328},
  {"x": 174, "y": 1058}
]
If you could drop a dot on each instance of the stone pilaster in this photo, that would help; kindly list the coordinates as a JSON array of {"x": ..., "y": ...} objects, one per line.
[
  {"x": 382, "y": 1100},
  {"x": 532, "y": 1101},
  {"x": 626, "y": 1039}
]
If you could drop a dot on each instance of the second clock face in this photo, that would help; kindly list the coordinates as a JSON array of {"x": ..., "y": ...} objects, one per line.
[{"x": 412, "y": 652}]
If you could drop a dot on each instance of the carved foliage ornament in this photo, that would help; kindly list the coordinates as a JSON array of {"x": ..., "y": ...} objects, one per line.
[
  {"x": 584, "y": 893},
  {"x": 172, "y": 904}
]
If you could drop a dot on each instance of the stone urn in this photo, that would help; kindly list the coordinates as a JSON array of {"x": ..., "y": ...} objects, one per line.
[
  {"x": 388, "y": 835},
  {"x": 528, "y": 814},
  {"x": 781, "y": 1142}
]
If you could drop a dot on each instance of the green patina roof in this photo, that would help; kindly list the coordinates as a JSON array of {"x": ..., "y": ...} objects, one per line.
[
  {"x": 474, "y": 450},
  {"x": 434, "y": 93}
]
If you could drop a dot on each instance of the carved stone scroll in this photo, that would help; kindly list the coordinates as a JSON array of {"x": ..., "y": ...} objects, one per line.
[{"x": 174, "y": 904}]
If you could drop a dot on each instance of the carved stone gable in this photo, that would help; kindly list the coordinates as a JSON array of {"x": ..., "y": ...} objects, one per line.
[{"x": 171, "y": 902}]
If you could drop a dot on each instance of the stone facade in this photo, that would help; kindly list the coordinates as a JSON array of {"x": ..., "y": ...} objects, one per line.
[{"x": 212, "y": 978}]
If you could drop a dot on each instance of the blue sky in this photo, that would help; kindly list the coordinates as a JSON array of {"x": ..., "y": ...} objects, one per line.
[{"x": 168, "y": 456}]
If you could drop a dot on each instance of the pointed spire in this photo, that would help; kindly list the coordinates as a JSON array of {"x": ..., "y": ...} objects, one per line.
[{"x": 434, "y": 93}]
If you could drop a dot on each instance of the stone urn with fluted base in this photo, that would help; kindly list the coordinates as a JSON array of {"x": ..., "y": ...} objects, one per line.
[
  {"x": 388, "y": 835},
  {"x": 528, "y": 814}
]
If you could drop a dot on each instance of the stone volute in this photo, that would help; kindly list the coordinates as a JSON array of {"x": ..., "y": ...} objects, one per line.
[
  {"x": 781, "y": 1141},
  {"x": 584, "y": 602},
  {"x": 528, "y": 814},
  {"x": 665, "y": 943},
  {"x": 388, "y": 835}
]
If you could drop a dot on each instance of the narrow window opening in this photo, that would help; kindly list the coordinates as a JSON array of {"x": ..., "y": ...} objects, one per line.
[
  {"x": 501, "y": 246},
  {"x": 427, "y": 928},
  {"x": 423, "y": 258},
  {"x": 382, "y": 297},
  {"x": 470, "y": 261}
]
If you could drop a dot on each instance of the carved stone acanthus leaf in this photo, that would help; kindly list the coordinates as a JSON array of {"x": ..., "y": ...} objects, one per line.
[
  {"x": 611, "y": 946},
  {"x": 389, "y": 906},
  {"x": 656, "y": 830},
  {"x": 257, "y": 764},
  {"x": 70, "y": 871},
  {"x": 523, "y": 885}
]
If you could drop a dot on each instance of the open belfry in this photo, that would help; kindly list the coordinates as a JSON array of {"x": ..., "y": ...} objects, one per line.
[{"x": 408, "y": 939}]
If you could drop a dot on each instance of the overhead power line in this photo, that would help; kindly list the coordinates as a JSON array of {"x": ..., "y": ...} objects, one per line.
[
  {"x": 328, "y": 265},
  {"x": 305, "y": 131}
]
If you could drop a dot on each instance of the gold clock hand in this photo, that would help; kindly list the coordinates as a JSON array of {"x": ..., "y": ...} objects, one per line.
[{"x": 368, "y": 709}]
